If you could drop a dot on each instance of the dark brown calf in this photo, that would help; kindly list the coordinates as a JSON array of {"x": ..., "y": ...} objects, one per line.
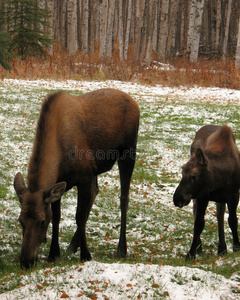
[
  {"x": 77, "y": 139},
  {"x": 211, "y": 174}
]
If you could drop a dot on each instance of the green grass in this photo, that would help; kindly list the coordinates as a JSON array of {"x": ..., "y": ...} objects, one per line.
[{"x": 157, "y": 232}]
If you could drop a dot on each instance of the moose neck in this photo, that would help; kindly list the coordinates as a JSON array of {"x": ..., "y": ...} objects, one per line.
[
  {"x": 43, "y": 170},
  {"x": 44, "y": 162}
]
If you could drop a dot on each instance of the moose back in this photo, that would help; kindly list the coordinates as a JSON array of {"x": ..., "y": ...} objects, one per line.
[
  {"x": 211, "y": 174},
  {"x": 77, "y": 138}
]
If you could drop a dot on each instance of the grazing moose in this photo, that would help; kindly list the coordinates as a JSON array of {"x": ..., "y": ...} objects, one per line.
[
  {"x": 211, "y": 174},
  {"x": 77, "y": 138}
]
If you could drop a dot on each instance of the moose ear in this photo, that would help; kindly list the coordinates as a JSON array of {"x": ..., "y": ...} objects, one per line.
[
  {"x": 19, "y": 185},
  {"x": 55, "y": 192},
  {"x": 200, "y": 157}
]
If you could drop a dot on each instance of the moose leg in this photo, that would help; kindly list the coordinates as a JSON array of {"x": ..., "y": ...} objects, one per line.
[
  {"x": 233, "y": 221},
  {"x": 125, "y": 166},
  {"x": 56, "y": 214},
  {"x": 199, "y": 244},
  {"x": 198, "y": 227},
  {"x": 87, "y": 193},
  {"x": 222, "y": 248}
]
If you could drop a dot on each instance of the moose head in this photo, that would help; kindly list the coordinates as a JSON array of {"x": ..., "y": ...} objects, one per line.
[
  {"x": 35, "y": 216},
  {"x": 196, "y": 179}
]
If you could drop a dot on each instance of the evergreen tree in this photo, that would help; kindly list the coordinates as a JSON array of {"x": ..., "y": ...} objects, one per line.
[
  {"x": 4, "y": 47},
  {"x": 25, "y": 22}
]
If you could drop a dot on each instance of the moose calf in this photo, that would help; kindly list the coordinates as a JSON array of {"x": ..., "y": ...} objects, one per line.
[{"x": 211, "y": 174}]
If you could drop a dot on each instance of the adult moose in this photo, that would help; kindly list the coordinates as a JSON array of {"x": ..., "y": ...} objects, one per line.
[
  {"x": 211, "y": 174},
  {"x": 77, "y": 138}
]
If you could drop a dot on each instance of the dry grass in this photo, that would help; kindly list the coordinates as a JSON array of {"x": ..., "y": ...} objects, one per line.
[{"x": 61, "y": 66}]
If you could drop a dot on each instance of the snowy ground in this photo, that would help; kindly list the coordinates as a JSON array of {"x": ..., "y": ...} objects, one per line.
[
  {"x": 122, "y": 281},
  {"x": 143, "y": 280}
]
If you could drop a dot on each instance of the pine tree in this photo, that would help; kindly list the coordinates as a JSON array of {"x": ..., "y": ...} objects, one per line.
[
  {"x": 23, "y": 19},
  {"x": 4, "y": 47}
]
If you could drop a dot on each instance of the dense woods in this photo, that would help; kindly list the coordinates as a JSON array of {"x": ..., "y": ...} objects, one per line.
[{"x": 140, "y": 29}]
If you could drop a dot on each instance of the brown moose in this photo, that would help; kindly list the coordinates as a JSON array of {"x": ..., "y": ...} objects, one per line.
[
  {"x": 211, "y": 174},
  {"x": 77, "y": 138}
]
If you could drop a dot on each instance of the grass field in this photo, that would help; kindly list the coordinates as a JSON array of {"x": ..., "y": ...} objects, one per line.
[{"x": 159, "y": 234}]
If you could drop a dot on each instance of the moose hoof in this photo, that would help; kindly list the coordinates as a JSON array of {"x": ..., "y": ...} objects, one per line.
[
  {"x": 222, "y": 251},
  {"x": 190, "y": 257},
  {"x": 73, "y": 248},
  {"x": 236, "y": 248},
  {"x": 121, "y": 254},
  {"x": 85, "y": 257},
  {"x": 199, "y": 249},
  {"x": 52, "y": 258},
  {"x": 53, "y": 255}
]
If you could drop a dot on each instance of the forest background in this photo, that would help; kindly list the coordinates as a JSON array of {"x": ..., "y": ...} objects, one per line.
[{"x": 122, "y": 39}]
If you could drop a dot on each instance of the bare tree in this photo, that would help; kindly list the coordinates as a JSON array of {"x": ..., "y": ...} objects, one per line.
[
  {"x": 41, "y": 4},
  {"x": 155, "y": 26},
  {"x": 195, "y": 24},
  {"x": 226, "y": 31},
  {"x": 218, "y": 23},
  {"x": 103, "y": 27},
  {"x": 120, "y": 30},
  {"x": 163, "y": 33},
  {"x": 109, "y": 30},
  {"x": 152, "y": 23},
  {"x": 72, "y": 26},
  {"x": 127, "y": 35},
  {"x": 85, "y": 29},
  {"x": 191, "y": 25},
  {"x": 50, "y": 6},
  {"x": 237, "y": 61},
  {"x": 171, "y": 26},
  {"x": 138, "y": 25}
]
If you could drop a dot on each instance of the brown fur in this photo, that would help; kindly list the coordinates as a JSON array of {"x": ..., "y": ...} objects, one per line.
[
  {"x": 78, "y": 138},
  {"x": 45, "y": 137},
  {"x": 221, "y": 142},
  {"x": 59, "y": 133},
  {"x": 211, "y": 174}
]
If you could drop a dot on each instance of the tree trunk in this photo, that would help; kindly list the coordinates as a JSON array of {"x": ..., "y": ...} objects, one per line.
[
  {"x": 196, "y": 30},
  {"x": 140, "y": 4},
  {"x": 120, "y": 30},
  {"x": 226, "y": 31},
  {"x": 163, "y": 34},
  {"x": 171, "y": 29},
  {"x": 143, "y": 41},
  {"x": 129, "y": 16},
  {"x": 95, "y": 22},
  {"x": 109, "y": 32},
  {"x": 191, "y": 25},
  {"x": 237, "y": 62},
  {"x": 50, "y": 6},
  {"x": 218, "y": 24},
  {"x": 103, "y": 28},
  {"x": 212, "y": 32},
  {"x": 85, "y": 29},
  {"x": 72, "y": 26},
  {"x": 205, "y": 26},
  {"x": 151, "y": 23},
  {"x": 92, "y": 17},
  {"x": 41, "y": 5},
  {"x": 62, "y": 24},
  {"x": 155, "y": 29}
]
